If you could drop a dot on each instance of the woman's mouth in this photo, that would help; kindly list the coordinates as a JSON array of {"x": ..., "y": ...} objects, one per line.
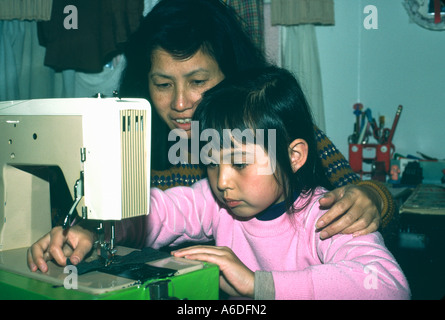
[{"x": 183, "y": 123}]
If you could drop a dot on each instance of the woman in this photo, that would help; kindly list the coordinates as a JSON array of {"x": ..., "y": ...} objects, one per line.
[
  {"x": 176, "y": 39},
  {"x": 181, "y": 49}
]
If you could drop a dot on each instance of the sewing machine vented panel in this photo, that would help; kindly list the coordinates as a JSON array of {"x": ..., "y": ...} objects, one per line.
[{"x": 134, "y": 158}]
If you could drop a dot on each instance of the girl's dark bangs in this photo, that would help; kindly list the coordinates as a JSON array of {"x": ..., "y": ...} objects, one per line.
[{"x": 225, "y": 112}]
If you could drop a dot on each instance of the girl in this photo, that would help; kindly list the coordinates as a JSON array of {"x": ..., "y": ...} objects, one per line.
[{"x": 264, "y": 221}]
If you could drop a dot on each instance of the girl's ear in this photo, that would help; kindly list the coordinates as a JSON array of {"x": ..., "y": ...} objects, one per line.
[{"x": 298, "y": 151}]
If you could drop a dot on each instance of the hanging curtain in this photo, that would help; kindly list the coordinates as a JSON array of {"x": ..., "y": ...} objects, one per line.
[
  {"x": 300, "y": 55},
  {"x": 26, "y": 9},
  {"x": 23, "y": 74},
  {"x": 299, "y": 50}
]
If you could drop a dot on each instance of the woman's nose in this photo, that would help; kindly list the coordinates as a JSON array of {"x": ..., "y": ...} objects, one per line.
[{"x": 182, "y": 100}]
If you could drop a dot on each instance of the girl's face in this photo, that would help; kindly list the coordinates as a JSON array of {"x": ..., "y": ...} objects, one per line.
[
  {"x": 246, "y": 187},
  {"x": 176, "y": 85}
]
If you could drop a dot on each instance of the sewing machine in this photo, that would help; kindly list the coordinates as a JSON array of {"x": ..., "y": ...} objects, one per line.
[{"x": 95, "y": 153}]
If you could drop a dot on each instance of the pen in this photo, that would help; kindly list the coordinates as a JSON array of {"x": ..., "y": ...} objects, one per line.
[
  {"x": 371, "y": 120},
  {"x": 394, "y": 124},
  {"x": 363, "y": 132},
  {"x": 357, "y": 112}
]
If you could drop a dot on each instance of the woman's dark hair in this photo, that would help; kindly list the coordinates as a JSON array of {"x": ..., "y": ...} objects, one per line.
[
  {"x": 182, "y": 27},
  {"x": 269, "y": 99}
]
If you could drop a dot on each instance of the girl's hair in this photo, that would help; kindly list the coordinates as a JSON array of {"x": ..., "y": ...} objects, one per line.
[
  {"x": 182, "y": 27},
  {"x": 268, "y": 98}
]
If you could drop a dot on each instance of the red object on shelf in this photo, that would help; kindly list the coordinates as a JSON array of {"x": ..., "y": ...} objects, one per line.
[
  {"x": 371, "y": 154},
  {"x": 437, "y": 17}
]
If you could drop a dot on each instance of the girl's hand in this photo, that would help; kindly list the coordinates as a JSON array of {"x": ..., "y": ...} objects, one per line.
[
  {"x": 353, "y": 209},
  {"x": 236, "y": 279}
]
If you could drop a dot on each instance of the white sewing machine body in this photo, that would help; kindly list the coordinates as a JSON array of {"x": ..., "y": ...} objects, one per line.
[{"x": 103, "y": 142}]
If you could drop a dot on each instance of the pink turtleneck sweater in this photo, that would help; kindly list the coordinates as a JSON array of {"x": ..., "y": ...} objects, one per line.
[{"x": 287, "y": 247}]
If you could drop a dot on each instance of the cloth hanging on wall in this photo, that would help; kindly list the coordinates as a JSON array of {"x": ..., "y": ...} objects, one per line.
[
  {"x": 24, "y": 76},
  {"x": 25, "y": 9},
  {"x": 251, "y": 13},
  {"x": 102, "y": 27},
  {"x": 295, "y": 12},
  {"x": 22, "y": 73},
  {"x": 299, "y": 50}
]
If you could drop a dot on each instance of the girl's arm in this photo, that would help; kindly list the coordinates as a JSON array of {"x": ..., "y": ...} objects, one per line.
[
  {"x": 364, "y": 265},
  {"x": 176, "y": 215},
  {"x": 350, "y": 268}
]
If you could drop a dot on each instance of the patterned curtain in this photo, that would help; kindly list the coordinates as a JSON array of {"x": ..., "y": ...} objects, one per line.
[
  {"x": 296, "y": 12},
  {"x": 251, "y": 12}
]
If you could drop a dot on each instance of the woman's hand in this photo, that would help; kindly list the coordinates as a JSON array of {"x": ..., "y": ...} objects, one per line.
[
  {"x": 352, "y": 209},
  {"x": 236, "y": 279},
  {"x": 59, "y": 244}
]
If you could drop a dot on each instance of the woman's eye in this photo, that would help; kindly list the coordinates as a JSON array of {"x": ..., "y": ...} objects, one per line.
[
  {"x": 199, "y": 82},
  {"x": 162, "y": 85},
  {"x": 240, "y": 166},
  {"x": 212, "y": 165}
]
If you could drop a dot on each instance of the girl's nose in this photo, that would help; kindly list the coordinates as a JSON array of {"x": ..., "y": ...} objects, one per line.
[{"x": 224, "y": 181}]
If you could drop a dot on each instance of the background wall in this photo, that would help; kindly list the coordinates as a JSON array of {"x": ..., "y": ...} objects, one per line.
[{"x": 398, "y": 63}]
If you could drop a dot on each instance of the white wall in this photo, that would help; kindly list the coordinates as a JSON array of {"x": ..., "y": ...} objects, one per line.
[{"x": 399, "y": 63}]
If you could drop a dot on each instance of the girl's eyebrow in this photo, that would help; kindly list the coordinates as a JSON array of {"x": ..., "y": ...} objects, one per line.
[{"x": 244, "y": 155}]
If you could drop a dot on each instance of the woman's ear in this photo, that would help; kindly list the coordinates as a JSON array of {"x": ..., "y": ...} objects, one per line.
[{"x": 298, "y": 151}]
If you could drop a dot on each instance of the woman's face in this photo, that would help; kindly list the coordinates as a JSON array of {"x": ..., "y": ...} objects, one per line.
[{"x": 176, "y": 85}]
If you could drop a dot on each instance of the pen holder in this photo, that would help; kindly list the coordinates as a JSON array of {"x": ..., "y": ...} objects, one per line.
[{"x": 370, "y": 154}]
